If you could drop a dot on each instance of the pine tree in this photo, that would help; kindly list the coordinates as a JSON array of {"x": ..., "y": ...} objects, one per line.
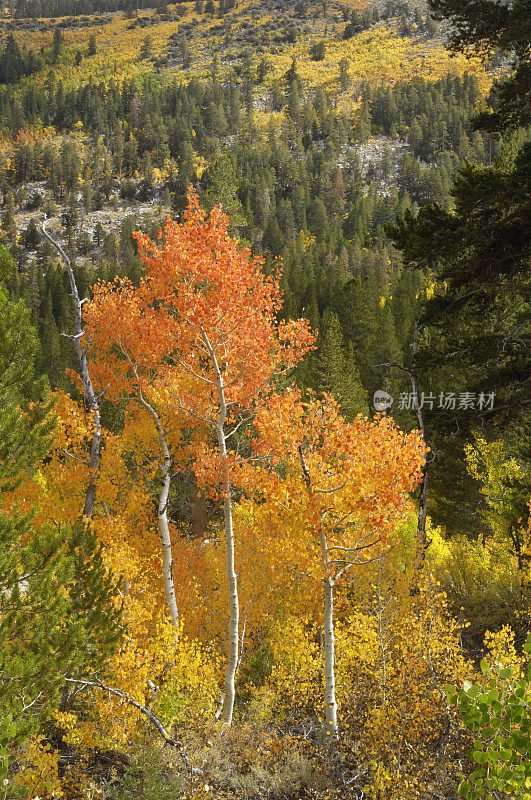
[
  {"x": 32, "y": 236},
  {"x": 344, "y": 78},
  {"x": 333, "y": 369},
  {"x": 484, "y": 26},
  {"x": 8, "y": 219},
  {"x": 57, "y": 45},
  {"x": 58, "y": 610},
  {"x": 474, "y": 327},
  {"x": 223, "y": 190},
  {"x": 50, "y": 361}
]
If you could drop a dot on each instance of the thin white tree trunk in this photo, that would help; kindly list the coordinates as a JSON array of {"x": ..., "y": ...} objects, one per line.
[
  {"x": 422, "y": 541},
  {"x": 91, "y": 401},
  {"x": 234, "y": 605},
  {"x": 148, "y": 714},
  {"x": 330, "y": 727},
  {"x": 164, "y": 530},
  {"x": 227, "y": 708},
  {"x": 162, "y": 516}
]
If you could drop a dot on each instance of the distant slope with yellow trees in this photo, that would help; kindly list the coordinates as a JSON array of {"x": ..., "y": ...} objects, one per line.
[{"x": 261, "y": 37}]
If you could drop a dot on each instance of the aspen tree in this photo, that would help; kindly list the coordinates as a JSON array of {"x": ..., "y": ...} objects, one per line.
[
  {"x": 354, "y": 495},
  {"x": 207, "y": 335}
]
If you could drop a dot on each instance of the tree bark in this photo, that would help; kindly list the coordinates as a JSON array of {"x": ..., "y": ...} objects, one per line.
[
  {"x": 422, "y": 542},
  {"x": 162, "y": 515},
  {"x": 164, "y": 530},
  {"x": 148, "y": 714},
  {"x": 421, "y": 538},
  {"x": 330, "y": 728},
  {"x": 234, "y": 605},
  {"x": 227, "y": 708},
  {"x": 91, "y": 401}
]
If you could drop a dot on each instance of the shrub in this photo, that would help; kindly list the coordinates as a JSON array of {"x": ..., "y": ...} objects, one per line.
[{"x": 497, "y": 710}]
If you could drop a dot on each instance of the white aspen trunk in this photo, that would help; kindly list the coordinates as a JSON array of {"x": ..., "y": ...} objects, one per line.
[
  {"x": 229, "y": 696},
  {"x": 234, "y": 605},
  {"x": 162, "y": 516},
  {"x": 164, "y": 531},
  {"x": 330, "y": 728},
  {"x": 92, "y": 402},
  {"x": 421, "y": 539},
  {"x": 422, "y": 542}
]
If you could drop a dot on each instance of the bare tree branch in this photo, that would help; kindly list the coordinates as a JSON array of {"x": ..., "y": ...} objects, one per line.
[
  {"x": 91, "y": 400},
  {"x": 147, "y": 713}
]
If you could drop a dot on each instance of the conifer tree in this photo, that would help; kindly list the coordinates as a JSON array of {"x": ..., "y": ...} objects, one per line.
[
  {"x": 333, "y": 369},
  {"x": 57, "y": 44},
  {"x": 58, "y": 610},
  {"x": 476, "y": 339},
  {"x": 223, "y": 190}
]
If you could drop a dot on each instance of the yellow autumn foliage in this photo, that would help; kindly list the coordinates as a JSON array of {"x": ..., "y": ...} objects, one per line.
[
  {"x": 378, "y": 55},
  {"x": 393, "y": 658},
  {"x": 39, "y": 775}
]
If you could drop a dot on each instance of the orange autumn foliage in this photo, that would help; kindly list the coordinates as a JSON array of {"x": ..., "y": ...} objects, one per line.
[
  {"x": 198, "y": 284},
  {"x": 202, "y": 295},
  {"x": 362, "y": 473},
  {"x": 198, "y": 279},
  {"x": 200, "y": 292}
]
